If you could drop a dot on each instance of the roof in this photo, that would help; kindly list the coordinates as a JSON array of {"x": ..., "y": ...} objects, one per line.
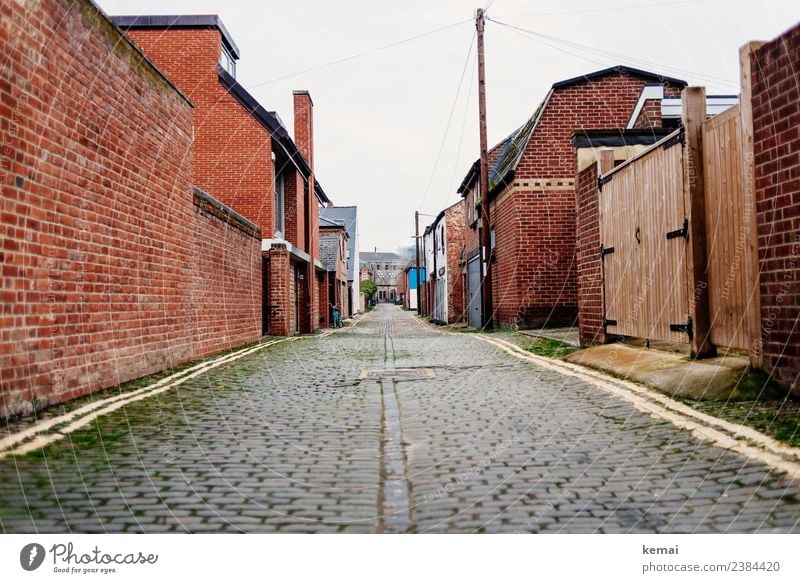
[
  {"x": 621, "y": 69},
  {"x": 380, "y": 256},
  {"x": 348, "y": 216},
  {"x": 329, "y": 224},
  {"x": 329, "y": 252},
  {"x": 618, "y": 137},
  {"x": 180, "y": 21},
  {"x": 474, "y": 171}
]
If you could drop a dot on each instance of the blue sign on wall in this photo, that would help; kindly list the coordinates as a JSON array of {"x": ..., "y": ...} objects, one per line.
[{"x": 412, "y": 277}]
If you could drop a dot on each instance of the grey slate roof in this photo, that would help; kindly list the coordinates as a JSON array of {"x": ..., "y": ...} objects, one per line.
[
  {"x": 380, "y": 256},
  {"x": 349, "y": 216},
  {"x": 329, "y": 252}
]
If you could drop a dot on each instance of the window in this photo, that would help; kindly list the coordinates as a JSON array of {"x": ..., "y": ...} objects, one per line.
[
  {"x": 227, "y": 60},
  {"x": 280, "y": 227}
]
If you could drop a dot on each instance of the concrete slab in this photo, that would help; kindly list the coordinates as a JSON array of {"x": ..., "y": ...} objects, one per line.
[
  {"x": 568, "y": 336},
  {"x": 675, "y": 374}
]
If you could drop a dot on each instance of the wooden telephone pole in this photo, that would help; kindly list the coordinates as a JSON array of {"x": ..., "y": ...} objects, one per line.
[{"x": 486, "y": 235}]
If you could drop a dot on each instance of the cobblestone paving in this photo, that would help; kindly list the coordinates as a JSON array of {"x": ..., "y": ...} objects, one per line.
[{"x": 388, "y": 426}]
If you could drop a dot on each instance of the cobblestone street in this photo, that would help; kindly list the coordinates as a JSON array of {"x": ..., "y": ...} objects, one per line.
[{"x": 388, "y": 426}]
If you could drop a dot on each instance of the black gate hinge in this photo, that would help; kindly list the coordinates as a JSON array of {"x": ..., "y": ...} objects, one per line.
[
  {"x": 682, "y": 232},
  {"x": 687, "y": 327},
  {"x": 608, "y": 322},
  {"x": 679, "y": 138},
  {"x": 605, "y": 250},
  {"x": 602, "y": 180}
]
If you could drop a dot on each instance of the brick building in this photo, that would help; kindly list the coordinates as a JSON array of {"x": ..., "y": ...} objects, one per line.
[
  {"x": 333, "y": 243},
  {"x": 244, "y": 156},
  {"x": 348, "y": 215},
  {"x": 532, "y": 195},
  {"x": 114, "y": 265},
  {"x": 444, "y": 254}
]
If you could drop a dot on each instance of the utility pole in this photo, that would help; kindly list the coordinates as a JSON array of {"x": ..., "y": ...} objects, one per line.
[
  {"x": 486, "y": 235},
  {"x": 416, "y": 238}
]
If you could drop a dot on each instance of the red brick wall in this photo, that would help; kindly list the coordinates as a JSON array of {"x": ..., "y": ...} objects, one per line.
[
  {"x": 455, "y": 226},
  {"x": 226, "y": 284},
  {"x": 294, "y": 206},
  {"x": 534, "y": 275},
  {"x": 98, "y": 221},
  {"x": 280, "y": 292},
  {"x": 587, "y": 259},
  {"x": 776, "y": 126},
  {"x": 232, "y": 150}
]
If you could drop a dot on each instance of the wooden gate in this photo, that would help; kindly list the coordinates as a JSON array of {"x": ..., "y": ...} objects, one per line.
[
  {"x": 644, "y": 234},
  {"x": 730, "y": 236}
]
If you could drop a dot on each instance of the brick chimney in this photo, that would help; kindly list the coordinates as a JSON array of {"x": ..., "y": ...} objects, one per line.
[{"x": 304, "y": 125}]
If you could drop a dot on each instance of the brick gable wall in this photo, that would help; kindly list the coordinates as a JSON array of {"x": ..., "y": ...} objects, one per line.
[
  {"x": 232, "y": 150},
  {"x": 534, "y": 274}
]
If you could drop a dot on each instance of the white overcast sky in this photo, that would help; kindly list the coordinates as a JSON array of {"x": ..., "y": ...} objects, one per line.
[{"x": 396, "y": 129}]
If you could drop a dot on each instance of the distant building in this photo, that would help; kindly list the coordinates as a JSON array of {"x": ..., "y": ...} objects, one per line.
[
  {"x": 385, "y": 269},
  {"x": 443, "y": 242},
  {"x": 333, "y": 242}
]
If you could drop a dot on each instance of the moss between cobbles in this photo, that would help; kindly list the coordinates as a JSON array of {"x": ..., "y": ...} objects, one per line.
[
  {"x": 47, "y": 411},
  {"x": 758, "y": 403}
]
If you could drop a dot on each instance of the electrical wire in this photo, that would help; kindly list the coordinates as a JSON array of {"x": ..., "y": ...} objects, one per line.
[
  {"x": 542, "y": 38},
  {"x": 463, "y": 127},
  {"x": 449, "y": 120},
  {"x": 361, "y": 54},
  {"x": 605, "y": 9}
]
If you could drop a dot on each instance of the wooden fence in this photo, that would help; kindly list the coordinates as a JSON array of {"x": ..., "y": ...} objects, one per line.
[{"x": 677, "y": 227}]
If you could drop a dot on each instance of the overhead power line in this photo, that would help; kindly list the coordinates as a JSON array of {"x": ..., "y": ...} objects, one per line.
[
  {"x": 449, "y": 120},
  {"x": 604, "y": 9},
  {"x": 362, "y": 53},
  {"x": 543, "y": 38}
]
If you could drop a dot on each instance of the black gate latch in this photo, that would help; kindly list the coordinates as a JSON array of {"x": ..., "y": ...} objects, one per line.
[
  {"x": 605, "y": 250},
  {"x": 682, "y": 232}
]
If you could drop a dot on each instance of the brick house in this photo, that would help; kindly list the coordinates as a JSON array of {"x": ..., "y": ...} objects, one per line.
[
  {"x": 444, "y": 253},
  {"x": 244, "y": 156},
  {"x": 532, "y": 194},
  {"x": 348, "y": 215},
  {"x": 333, "y": 242}
]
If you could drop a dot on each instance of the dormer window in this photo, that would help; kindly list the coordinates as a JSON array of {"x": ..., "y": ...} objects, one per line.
[{"x": 227, "y": 60}]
